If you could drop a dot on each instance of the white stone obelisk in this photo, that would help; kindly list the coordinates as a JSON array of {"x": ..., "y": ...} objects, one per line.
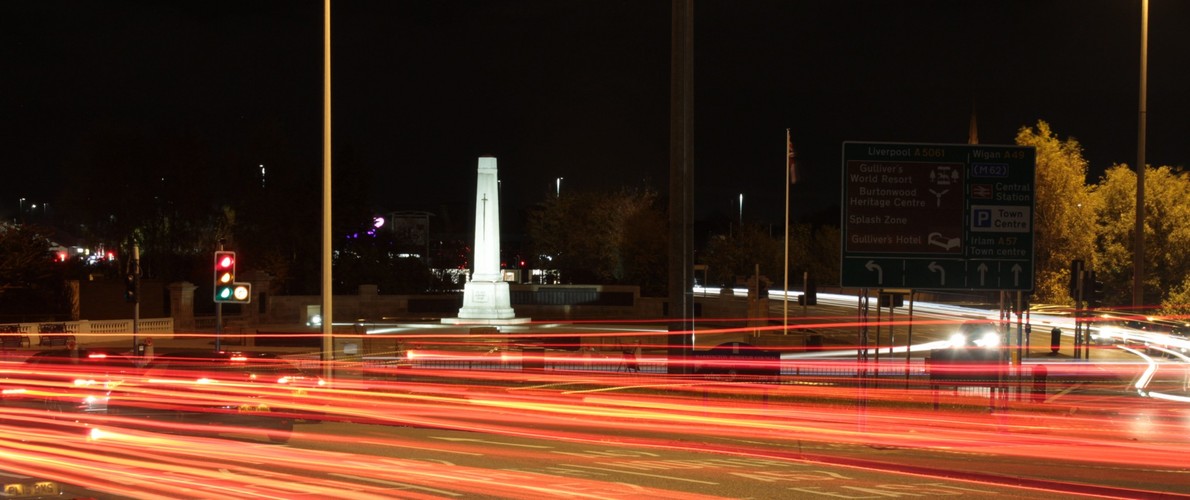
[{"x": 485, "y": 295}]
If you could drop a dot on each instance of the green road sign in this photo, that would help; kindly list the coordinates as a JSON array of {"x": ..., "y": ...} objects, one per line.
[{"x": 937, "y": 216}]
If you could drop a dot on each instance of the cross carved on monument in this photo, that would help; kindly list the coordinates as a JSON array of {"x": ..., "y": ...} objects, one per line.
[{"x": 485, "y": 216}]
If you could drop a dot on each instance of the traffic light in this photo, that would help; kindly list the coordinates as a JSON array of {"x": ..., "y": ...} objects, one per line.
[
  {"x": 237, "y": 293},
  {"x": 1092, "y": 290},
  {"x": 1076, "y": 266},
  {"x": 225, "y": 268},
  {"x": 1096, "y": 298},
  {"x": 226, "y": 287},
  {"x": 131, "y": 288},
  {"x": 132, "y": 278}
]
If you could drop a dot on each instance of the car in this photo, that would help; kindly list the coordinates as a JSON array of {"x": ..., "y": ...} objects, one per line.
[
  {"x": 182, "y": 391},
  {"x": 1140, "y": 331},
  {"x": 1163, "y": 336},
  {"x": 66, "y": 382},
  {"x": 976, "y": 333},
  {"x": 971, "y": 356},
  {"x": 1063, "y": 311},
  {"x": 223, "y": 391}
]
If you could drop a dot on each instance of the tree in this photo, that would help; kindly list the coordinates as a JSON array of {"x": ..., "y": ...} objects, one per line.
[
  {"x": 644, "y": 252},
  {"x": 153, "y": 189},
  {"x": 738, "y": 254},
  {"x": 373, "y": 258},
  {"x": 32, "y": 284},
  {"x": 1177, "y": 303},
  {"x": 813, "y": 249},
  {"x": 601, "y": 237},
  {"x": 1166, "y": 232},
  {"x": 1063, "y": 211}
]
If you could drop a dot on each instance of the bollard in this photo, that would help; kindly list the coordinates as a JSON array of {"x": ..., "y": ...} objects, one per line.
[
  {"x": 814, "y": 342},
  {"x": 533, "y": 359},
  {"x": 1039, "y": 375}
]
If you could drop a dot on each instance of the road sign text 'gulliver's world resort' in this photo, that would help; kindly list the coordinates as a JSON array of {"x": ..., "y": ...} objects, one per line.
[{"x": 937, "y": 216}]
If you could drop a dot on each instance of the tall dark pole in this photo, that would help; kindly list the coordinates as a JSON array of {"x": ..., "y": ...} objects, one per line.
[
  {"x": 328, "y": 344},
  {"x": 218, "y": 317},
  {"x": 1138, "y": 252},
  {"x": 135, "y": 271},
  {"x": 681, "y": 186}
]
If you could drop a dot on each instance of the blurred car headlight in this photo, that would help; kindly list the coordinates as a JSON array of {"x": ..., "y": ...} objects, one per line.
[
  {"x": 989, "y": 340},
  {"x": 958, "y": 340}
]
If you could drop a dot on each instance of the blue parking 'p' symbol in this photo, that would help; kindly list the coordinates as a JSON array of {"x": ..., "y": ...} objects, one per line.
[{"x": 981, "y": 217}]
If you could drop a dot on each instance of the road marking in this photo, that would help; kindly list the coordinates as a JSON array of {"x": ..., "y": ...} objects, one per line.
[
  {"x": 658, "y": 476},
  {"x": 1063, "y": 392},
  {"x": 396, "y": 484},
  {"x": 485, "y": 441},
  {"x": 627, "y": 387},
  {"x": 421, "y": 448},
  {"x": 548, "y": 386}
]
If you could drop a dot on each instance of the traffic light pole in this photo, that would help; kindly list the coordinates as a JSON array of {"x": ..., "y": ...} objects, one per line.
[
  {"x": 1079, "y": 312},
  {"x": 135, "y": 271},
  {"x": 218, "y": 317}
]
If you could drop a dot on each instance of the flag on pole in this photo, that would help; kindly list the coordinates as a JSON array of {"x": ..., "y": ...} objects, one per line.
[{"x": 790, "y": 158}]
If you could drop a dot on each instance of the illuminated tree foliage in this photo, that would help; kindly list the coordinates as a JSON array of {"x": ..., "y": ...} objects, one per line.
[
  {"x": 1178, "y": 301},
  {"x": 1064, "y": 210},
  {"x": 1166, "y": 232}
]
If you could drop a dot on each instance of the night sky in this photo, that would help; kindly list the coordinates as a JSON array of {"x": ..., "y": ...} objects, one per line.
[{"x": 579, "y": 89}]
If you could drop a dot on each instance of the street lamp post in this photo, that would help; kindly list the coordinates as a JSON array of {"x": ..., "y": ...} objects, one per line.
[
  {"x": 327, "y": 310},
  {"x": 558, "y": 187},
  {"x": 21, "y": 211},
  {"x": 1138, "y": 234},
  {"x": 741, "y": 210}
]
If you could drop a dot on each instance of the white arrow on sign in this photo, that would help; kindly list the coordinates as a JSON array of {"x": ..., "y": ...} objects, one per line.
[
  {"x": 1016, "y": 275},
  {"x": 873, "y": 266},
  {"x": 983, "y": 272},
  {"x": 934, "y": 267}
]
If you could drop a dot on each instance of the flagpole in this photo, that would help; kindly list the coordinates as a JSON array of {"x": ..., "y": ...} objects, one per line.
[{"x": 788, "y": 151}]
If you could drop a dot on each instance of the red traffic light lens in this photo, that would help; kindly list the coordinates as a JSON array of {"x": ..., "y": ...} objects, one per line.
[{"x": 225, "y": 267}]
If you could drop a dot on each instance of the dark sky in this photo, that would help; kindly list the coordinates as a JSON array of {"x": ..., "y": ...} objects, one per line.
[{"x": 579, "y": 89}]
